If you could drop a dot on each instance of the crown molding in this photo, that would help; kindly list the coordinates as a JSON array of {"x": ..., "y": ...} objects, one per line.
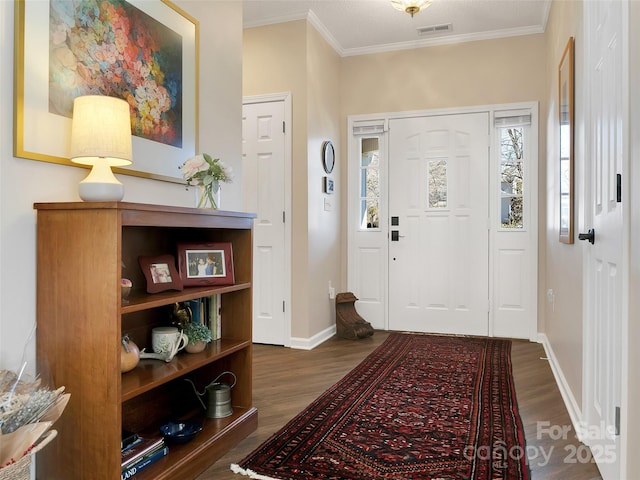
[
  {"x": 446, "y": 40},
  {"x": 313, "y": 19}
]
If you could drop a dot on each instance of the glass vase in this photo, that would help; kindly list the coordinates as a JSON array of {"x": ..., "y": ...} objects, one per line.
[{"x": 207, "y": 197}]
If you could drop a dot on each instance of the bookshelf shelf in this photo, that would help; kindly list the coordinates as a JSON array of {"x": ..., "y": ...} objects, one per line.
[
  {"x": 143, "y": 301},
  {"x": 150, "y": 374},
  {"x": 214, "y": 433},
  {"x": 83, "y": 250}
]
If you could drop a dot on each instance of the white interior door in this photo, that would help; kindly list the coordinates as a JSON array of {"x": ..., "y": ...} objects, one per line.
[
  {"x": 439, "y": 211},
  {"x": 264, "y": 190},
  {"x": 604, "y": 258}
]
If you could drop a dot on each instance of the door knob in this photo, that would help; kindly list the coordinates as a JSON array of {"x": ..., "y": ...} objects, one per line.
[{"x": 590, "y": 235}]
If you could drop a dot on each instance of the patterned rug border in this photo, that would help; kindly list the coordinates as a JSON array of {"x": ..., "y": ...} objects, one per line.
[{"x": 491, "y": 349}]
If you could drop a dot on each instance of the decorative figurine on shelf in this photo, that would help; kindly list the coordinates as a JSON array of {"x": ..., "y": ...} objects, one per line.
[
  {"x": 129, "y": 355},
  {"x": 125, "y": 290},
  {"x": 181, "y": 315}
]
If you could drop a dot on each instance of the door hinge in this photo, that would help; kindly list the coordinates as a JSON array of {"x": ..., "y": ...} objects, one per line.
[
  {"x": 283, "y": 217},
  {"x": 283, "y": 310},
  {"x": 283, "y": 127},
  {"x": 619, "y": 187},
  {"x": 617, "y": 421}
]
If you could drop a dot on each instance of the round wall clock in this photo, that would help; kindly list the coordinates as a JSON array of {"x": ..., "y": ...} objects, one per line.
[{"x": 328, "y": 156}]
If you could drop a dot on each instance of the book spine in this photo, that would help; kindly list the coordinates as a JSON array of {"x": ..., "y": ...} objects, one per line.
[
  {"x": 195, "y": 306},
  {"x": 144, "y": 462},
  {"x": 136, "y": 452},
  {"x": 218, "y": 316},
  {"x": 213, "y": 316}
]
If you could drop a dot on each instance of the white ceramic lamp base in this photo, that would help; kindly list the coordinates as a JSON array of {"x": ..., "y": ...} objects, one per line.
[{"x": 101, "y": 185}]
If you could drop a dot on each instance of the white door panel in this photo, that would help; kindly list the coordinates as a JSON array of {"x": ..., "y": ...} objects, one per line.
[
  {"x": 438, "y": 267},
  {"x": 604, "y": 259},
  {"x": 263, "y": 177}
]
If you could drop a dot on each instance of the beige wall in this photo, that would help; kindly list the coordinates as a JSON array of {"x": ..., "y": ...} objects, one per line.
[
  {"x": 293, "y": 57},
  {"x": 563, "y": 265},
  {"x": 325, "y": 248},
  {"x": 468, "y": 74},
  {"x": 23, "y": 182}
]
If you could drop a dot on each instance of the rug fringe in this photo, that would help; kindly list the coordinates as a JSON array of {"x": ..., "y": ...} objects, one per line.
[{"x": 249, "y": 473}]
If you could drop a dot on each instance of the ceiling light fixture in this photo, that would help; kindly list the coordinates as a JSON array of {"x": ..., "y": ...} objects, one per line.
[{"x": 411, "y": 6}]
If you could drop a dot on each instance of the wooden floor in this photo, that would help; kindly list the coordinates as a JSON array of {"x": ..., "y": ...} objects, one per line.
[{"x": 287, "y": 380}]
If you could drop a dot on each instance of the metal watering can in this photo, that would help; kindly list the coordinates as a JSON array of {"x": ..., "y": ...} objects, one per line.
[{"x": 218, "y": 397}]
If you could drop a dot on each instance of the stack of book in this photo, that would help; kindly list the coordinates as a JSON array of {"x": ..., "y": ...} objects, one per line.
[
  {"x": 206, "y": 310},
  {"x": 140, "y": 452}
]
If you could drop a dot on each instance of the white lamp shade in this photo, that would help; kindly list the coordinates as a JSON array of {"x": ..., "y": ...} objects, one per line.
[
  {"x": 101, "y": 131},
  {"x": 101, "y": 136}
]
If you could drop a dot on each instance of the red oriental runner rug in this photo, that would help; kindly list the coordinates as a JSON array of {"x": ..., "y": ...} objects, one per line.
[{"x": 418, "y": 407}]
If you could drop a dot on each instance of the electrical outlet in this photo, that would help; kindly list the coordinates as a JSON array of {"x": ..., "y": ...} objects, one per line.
[
  {"x": 332, "y": 291},
  {"x": 550, "y": 296}
]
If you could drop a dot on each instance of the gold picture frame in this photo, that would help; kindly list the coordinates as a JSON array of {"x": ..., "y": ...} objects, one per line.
[
  {"x": 566, "y": 147},
  {"x": 144, "y": 52}
]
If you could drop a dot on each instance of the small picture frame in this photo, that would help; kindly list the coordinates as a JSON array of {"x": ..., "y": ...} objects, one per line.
[
  {"x": 328, "y": 185},
  {"x": 161, "y": 273},
  {"x": 202, "y": 264}
]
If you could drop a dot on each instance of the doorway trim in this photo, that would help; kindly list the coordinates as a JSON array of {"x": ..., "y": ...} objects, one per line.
[{"x": 284, "y": 97}]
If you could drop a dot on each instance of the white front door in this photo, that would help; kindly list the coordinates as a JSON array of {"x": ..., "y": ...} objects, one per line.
[
  {"x": 264, "y": 190},
  {"x": 604, "y": 258},
  {"x": 439, "y": 224}
]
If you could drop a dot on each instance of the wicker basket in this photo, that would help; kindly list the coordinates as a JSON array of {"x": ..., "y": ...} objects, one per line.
[{"x": 21, "y": 470}]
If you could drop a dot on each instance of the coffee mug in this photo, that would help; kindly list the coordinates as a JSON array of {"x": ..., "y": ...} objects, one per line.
[{"x": 168, "y": 340}]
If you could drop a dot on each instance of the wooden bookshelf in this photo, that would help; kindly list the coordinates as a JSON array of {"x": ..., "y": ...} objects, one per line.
[{"x": 83, "y": 250}]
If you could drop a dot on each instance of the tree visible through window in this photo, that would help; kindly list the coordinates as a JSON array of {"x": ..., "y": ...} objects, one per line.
[
  {"x": 511, "y": 182},
  {"x": 370, "y": 183},
  {"x": 437, "y": 183}
]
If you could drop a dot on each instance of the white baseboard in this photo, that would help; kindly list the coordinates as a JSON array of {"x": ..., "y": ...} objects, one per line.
[
  {"x": 313, "y": 342},
  {"x": 575, "y": 412}
]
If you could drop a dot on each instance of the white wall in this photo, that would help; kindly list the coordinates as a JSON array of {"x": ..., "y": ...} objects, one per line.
[{"x": 23, "y": 182}]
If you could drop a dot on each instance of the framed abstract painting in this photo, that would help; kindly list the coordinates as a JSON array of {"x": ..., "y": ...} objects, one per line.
[{"x": 145, "y": 52}]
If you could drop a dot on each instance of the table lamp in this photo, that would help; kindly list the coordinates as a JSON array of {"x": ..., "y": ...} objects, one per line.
[{"x": 101, "y": 137}]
